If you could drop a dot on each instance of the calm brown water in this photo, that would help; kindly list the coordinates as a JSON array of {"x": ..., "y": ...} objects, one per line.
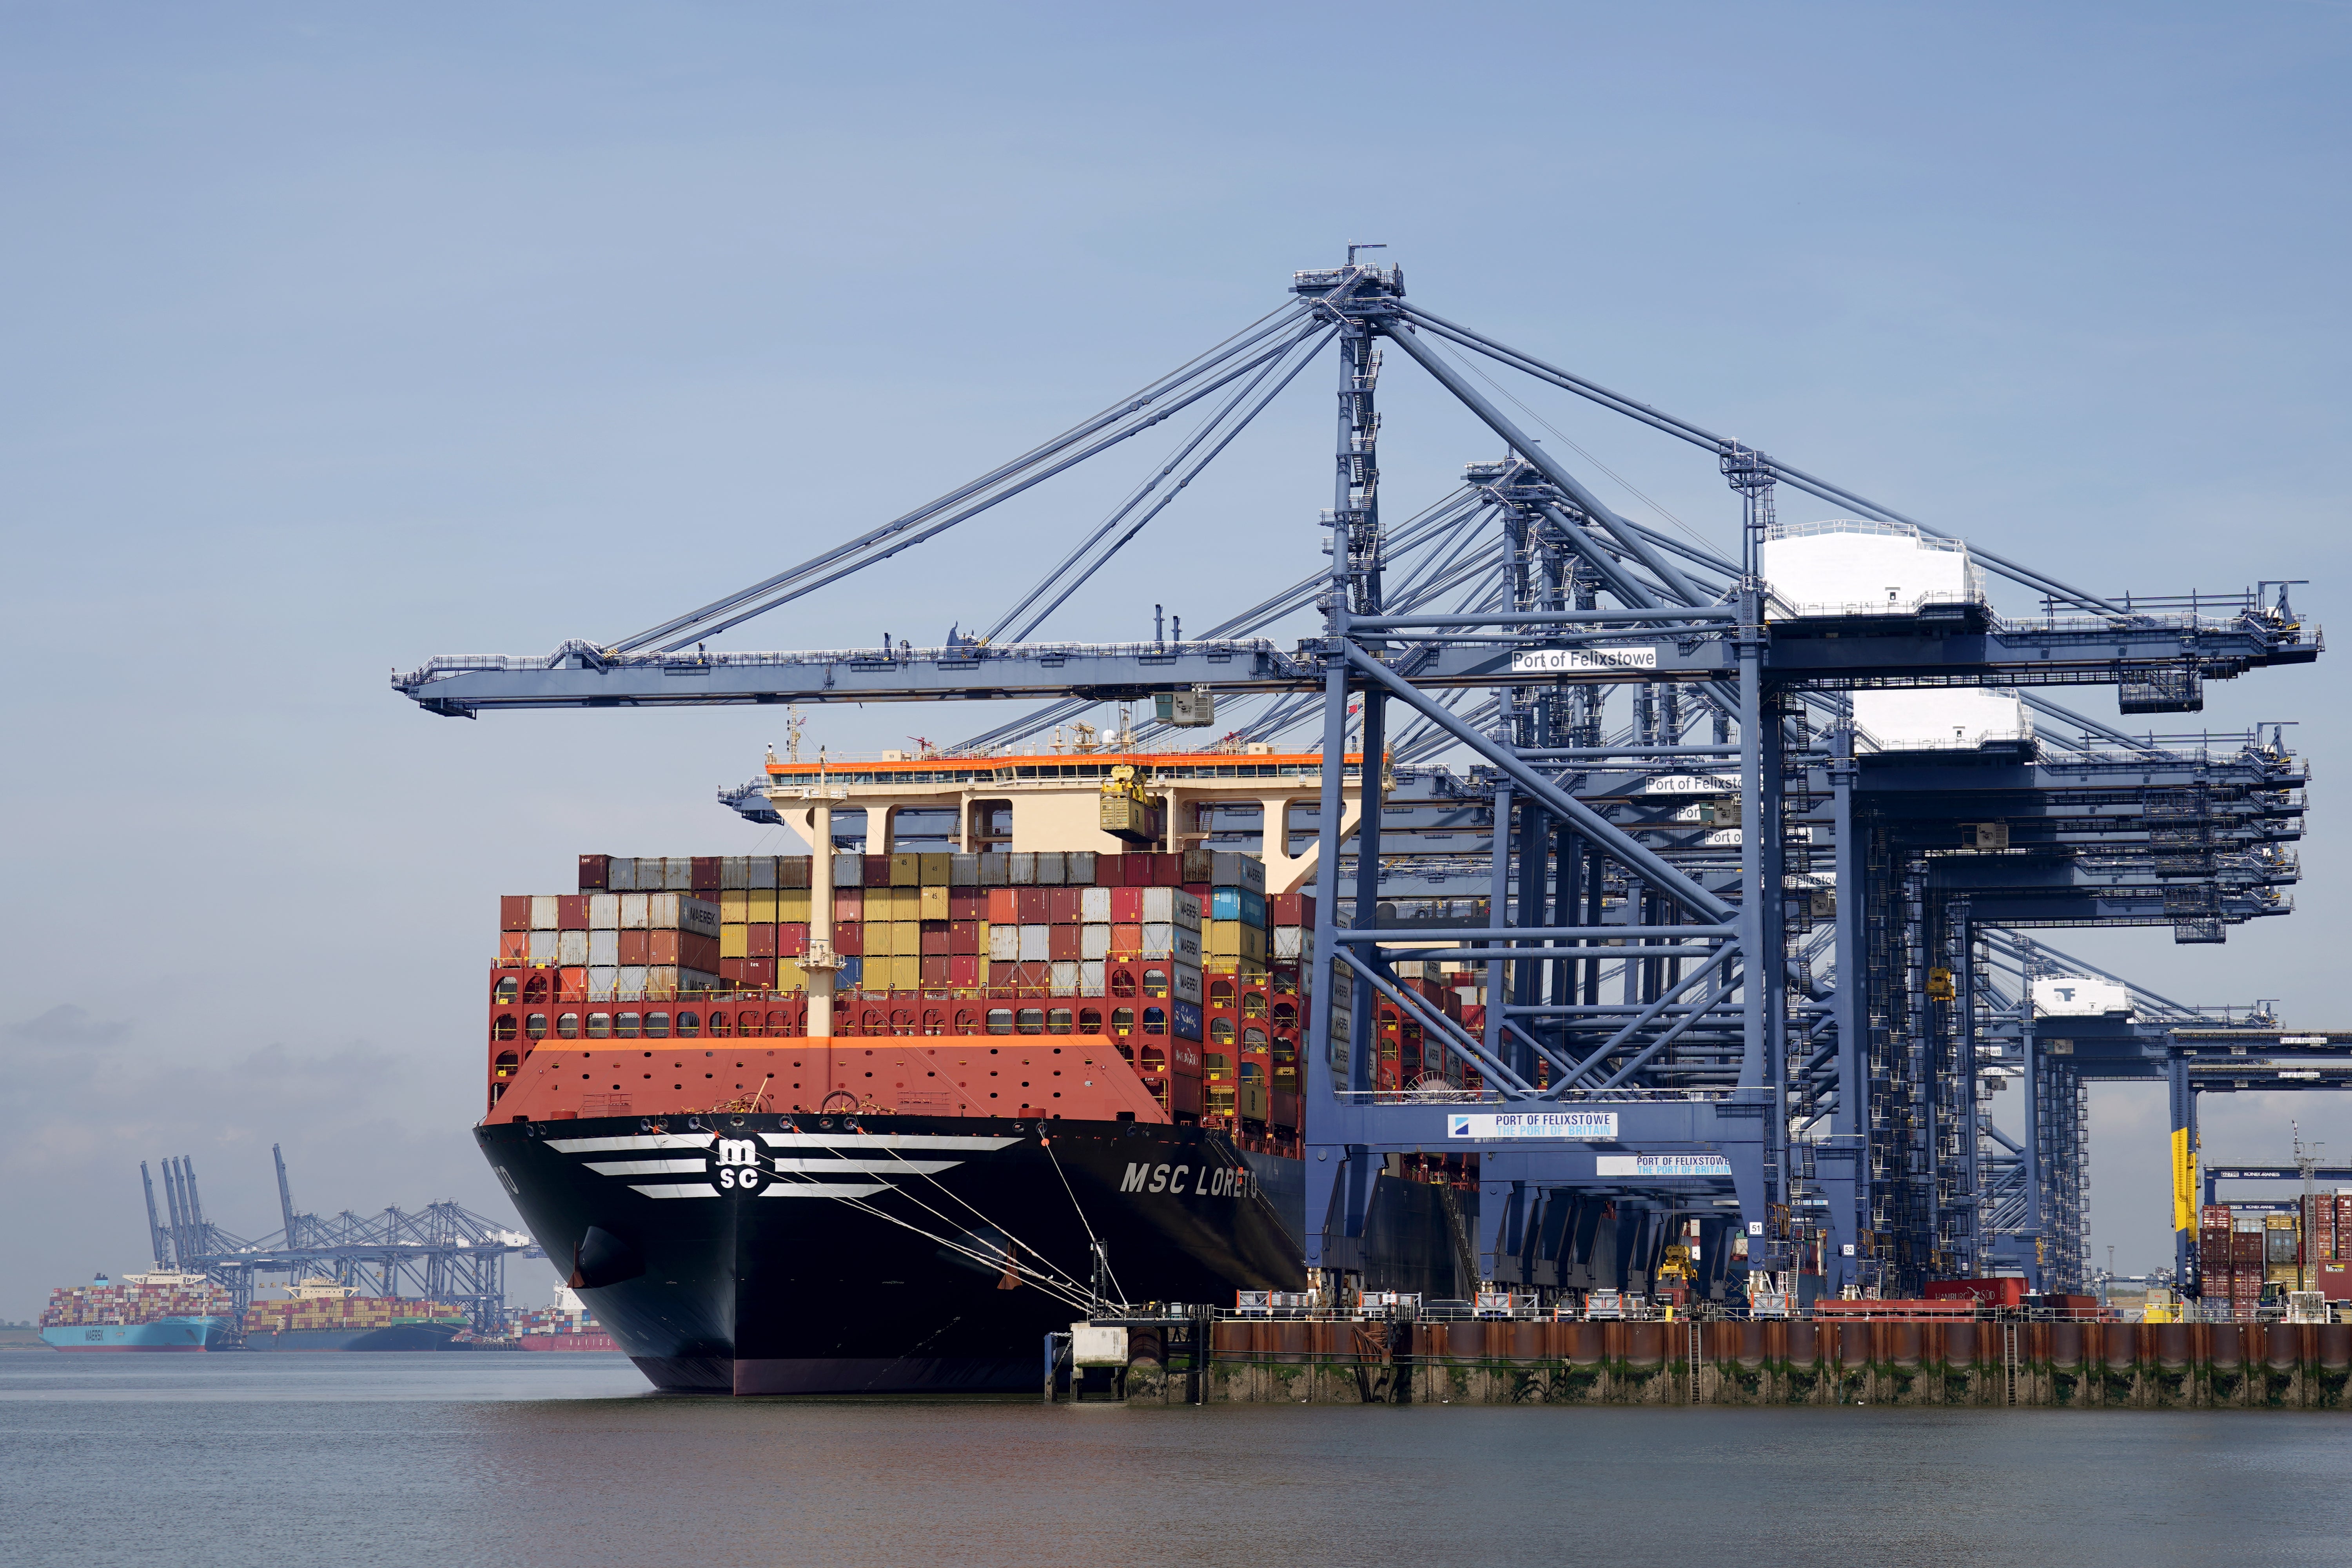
[{"x": 549, "y": 1459}]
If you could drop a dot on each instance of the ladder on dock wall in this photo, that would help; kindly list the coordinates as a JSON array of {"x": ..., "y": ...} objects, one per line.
[
  {"x": 1696, "y": 1353},
  {"x": 2008, "y": 1362}
]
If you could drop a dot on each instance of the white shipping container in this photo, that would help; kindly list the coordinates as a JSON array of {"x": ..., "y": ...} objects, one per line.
[
  {"x": 1184, "y": 946},
  {"x": 651, "y": 873},
  {"x": 1078, "y": 867},
  {"x": 1187, "y": 908},
  {"x": 2073, "y": 996},
  {"x": 759, "y": 871},
  {"x": 542, "y": 911},
  {"x": 1065, "y": 978},
  {"x": 1094, "y": 942},
  {"x": 632, "y": 910},
  {"x": 544, "y": 946},
  {"x": 1021, "y": 868},
  {"x": 1094, "y": 906},
  {"x": 603, "y": 948},
  {"x": 1160, "y": 939},
  {"x": 661, "y": 911},
  {"x": 1090, "y": 979},
  {"x": 629, "y": 981},
  {"x": 849, "y": 870},
  {"x": 1847, "y": 566},
  {"x": 572, "y": 948},
  {"x": 1050, "y": 866},
  {"x": 621, "y": 874},
  {"x": 1230, "y": 869},
  {"x": 1004, "y": 944},
  {"x": 1036, "y": 944},
  {"x": 603, "y": 911},
  {"x": 1184, "y": 982},
  {"x": 661, "y": 980},
  {"x": 1289, "y": 942},
  {"x": 602, "y": 983},
  {"x": 1160, "y": 906},
  {"x": 677, "y": 874}
]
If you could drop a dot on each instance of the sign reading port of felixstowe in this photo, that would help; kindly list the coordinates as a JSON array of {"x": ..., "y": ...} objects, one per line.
[
  {"x": 1566, "y": 660},
  {"x": 1504, "y": 1124}
]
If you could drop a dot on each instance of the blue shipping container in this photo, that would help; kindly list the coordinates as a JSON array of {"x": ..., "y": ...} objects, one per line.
[
  {"x": 1185, "y": 1018},
  {"x": 1237, "y": 904}
]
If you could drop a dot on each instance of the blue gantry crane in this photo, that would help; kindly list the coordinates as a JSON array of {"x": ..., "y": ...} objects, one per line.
[{"x": 1746, "y": 844}]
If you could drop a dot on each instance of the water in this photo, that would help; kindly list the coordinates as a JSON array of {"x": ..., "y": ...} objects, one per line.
[{"x": 570, "y": 1459}]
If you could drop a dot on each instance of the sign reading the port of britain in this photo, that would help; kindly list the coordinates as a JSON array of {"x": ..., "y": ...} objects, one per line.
[
  {"x": 1533, "y": 1124},
  {"x": 1661, "y": 1165},
  {"x": 1566, "y": 660}
]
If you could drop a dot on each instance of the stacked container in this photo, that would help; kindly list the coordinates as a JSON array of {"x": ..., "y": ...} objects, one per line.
[
  {"x": 607, "y": 945},
  {"x": 98, "y": 1304}
]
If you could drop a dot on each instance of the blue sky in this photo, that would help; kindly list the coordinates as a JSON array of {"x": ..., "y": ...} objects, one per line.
[{"x": 341, "y": 336}]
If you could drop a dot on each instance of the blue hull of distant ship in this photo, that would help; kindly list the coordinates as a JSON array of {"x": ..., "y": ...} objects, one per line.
[{"x": 162, "y": 1334}]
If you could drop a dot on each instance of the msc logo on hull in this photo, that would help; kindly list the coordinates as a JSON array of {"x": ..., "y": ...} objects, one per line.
[{"x": 737, "y": 1162}]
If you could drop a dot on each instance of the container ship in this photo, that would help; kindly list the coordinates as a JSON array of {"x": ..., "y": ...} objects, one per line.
[
  {"x": 877, "y": 1121},
  {"x": 152, "y": 1312},
  {"x": 567, "y": 1325},
  {"x": 321, "y": 1315}
]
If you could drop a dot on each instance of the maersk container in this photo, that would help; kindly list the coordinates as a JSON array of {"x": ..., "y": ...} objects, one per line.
[
  {"x": 1230, "y": 869},
  {"x": 1237, "y": 904},
  {"x": 1184, "y": 946},
  {"x": 1184, "y": 909},
  {"x": 1184, "y": 982}
]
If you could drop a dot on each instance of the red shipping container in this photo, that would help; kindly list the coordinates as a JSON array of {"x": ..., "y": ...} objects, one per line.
[
  {"x": 1199, "y": 890},
  {"x": 760, "y": 942},
  {"x": 595, "y": 873},
  {"x": 759, "y": 971},
  {"x": 1004, "y": 907},
  {"x": 706, "y": 873},
  {"x": 935, "y": 970},
  {"x": 1062, "y": 906},
  {"x": 963, "y": 969},
  {"x": 791, "y": 939},
  {"x": 1031, "y": 905},
  {"x": 661, "y": 947},
  {"x": 571, "y": 912},
  {"x": 696, "y": 951},
  {"x": 963, "y": 938},
  {"x": 1127, "y": 941},
  {"x": 878, "y": 870},
  {"x": 935, "y": 942},
  {"x": 632, "y": 948},
  {"x": 848, "y": 904},
  {"x": 1184, "y": 1058},
  {"x": 1064, "y": 943},
  {"x": 849, "y": 941},
  {"x": 514, "y": 946},
  {"x": 731, "y": 968},
  {"x": 514, "y": 913},
  {"x": 572, "y": 985},
  {"x": 1126, "y": 905},
  {"x": 1292, "y": 909},
  {"x": 1032, "y": 976},
  {"x": 968, "y": 903}
]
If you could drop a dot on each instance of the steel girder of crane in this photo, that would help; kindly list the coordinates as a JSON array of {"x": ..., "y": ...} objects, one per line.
[{"x": 1755, "y": 1025}]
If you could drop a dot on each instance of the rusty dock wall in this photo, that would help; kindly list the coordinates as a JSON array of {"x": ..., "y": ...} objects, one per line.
[{"x": 2072, "y": 1365}]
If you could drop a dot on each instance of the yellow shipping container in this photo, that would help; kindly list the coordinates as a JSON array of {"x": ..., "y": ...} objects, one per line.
[
  {"x": 935, "y": 872},
  {"x": 790, "y": 976},
  {"x": 792, "y": 904},
  {"x": 907, "y": 973},
  {"x": 734, "y": 941},
  {"x": 906, "y": 870},
  {"x": 1234, "y": 938},
  {"x": 762, "y": 902},
  {"x": 734, "y": 908},
  {"x": 933, "y": 905},
  {"x": 906, "y": 939}
]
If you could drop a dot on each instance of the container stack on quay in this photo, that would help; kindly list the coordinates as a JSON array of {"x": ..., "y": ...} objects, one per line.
[{"x": 2241, "y": 1251}]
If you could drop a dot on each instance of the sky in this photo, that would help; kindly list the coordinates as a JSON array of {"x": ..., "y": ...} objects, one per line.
[{"x": 341, "y": 336}]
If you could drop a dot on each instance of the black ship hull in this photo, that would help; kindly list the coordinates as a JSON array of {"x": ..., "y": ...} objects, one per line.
[{"x": 891, "y": 1254}]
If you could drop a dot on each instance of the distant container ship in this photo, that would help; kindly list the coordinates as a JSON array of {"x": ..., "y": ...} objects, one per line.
[
  {"x": 153, "y": 1311},
  {"x": 324, "y": 1316},
  {"x": 564, "y": 1326}
]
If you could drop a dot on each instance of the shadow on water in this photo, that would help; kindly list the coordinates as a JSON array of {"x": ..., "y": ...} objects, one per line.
[{"x": 571, "y": 1459}]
